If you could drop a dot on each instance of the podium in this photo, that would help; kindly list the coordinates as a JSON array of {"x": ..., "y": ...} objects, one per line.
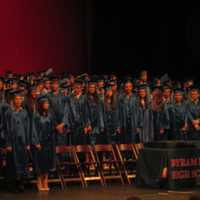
[{"x": 170, "y": 165}]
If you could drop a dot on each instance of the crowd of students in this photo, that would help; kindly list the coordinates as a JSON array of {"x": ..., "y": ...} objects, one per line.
[{"x": 39, "y": 113}]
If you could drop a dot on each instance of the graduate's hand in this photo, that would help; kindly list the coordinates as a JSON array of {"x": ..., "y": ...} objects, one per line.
[
  {"x": 9, "y": 149},
  {"x": 162, "y": 130},
  {"x": 195, "y": 122},
  {"x": 118, "y": 130},
  {"x": 60, "y": 128},
  {"x": 89, "y": 129},
  {"x": 102, "y": 130},
  {"x": 38, "y": 146},
  {"x": 138, "y": 130},
  {"x": 28, "y": 148},
  {"x": 85, "y": 130}
]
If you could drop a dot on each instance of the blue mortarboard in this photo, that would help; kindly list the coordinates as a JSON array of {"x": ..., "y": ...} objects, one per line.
[
  {"x": 2, "y": 79},
  {"x": 42, "y": 99},
  {"x": 15, "y": 93}
]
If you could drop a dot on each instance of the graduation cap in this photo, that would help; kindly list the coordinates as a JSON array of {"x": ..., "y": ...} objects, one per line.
[
  {"x": 142, "y": 86},
  {"x": 100, "y": 78},
  {"x": 54, "y": 79},
  {"x": 194, "y": 87},
  {"x": 112, "y": 83},
  {"x": 108, "y": 87},
  {"x": 2, "y": 79},
  {"x": 31, "y": 88},
  {"x": 78, "y": 82},
  {"x": 164, "y": 79},
  {"x": 23, "y": 83},
  {"x": 42, "y": 99},
  {"x": 178, "y": 90},
  {"x": 127, "y": 79},
  {"x": 15, "y": 93}
]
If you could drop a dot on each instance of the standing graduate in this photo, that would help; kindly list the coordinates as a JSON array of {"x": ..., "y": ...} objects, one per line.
[
  {"x": 75, "y": 118},
  {"x": 57, "y": 104},
  {"x": 159, "y": 114},
  {"x": 44, "y": 154},
  {"x": 111, "y": 118},
  {"x": 193, "y": 113},
  {"x": 146, "y": 122},
  {"x": 178, "y": 116},
  {"x": 18, "y": 141},
  {"x": 94, "y": 114},
  {"x": 167, "y": 98},
  {"x": 128, "y": 116}
]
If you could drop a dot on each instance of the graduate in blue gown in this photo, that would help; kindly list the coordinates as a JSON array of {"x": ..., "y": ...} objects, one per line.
[
  {"x": 146, "y": 122},
  {"x": 75, "y": 120},
  {"x": 178, "y": 121},
  {"x": 57, "y": 105},
  {"x": 128, "y": 130},
  {"x": 94, "y": 114},
  {"x": 193, "y": 114},
  {"x": 18, "y": 140},
  {"x": 159, "y": 114},
  {"x": 111, "y": 118},
  {"x": 44, "y": 154},
  {"x": 3, "y": 108},
  {"x": 167, "y": 101}
]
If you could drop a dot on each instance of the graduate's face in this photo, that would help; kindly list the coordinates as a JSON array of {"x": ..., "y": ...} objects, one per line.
[
  {"x": 167, "y": 93},
  {"x": 47, "y": 84},
  {"x": 114, "y": 88},
  {"x": 91, "y": 88},
  {"x": 1, "y": 85},
  {"x": 178, "y": 96},
  {"x": 128, "y": 87},
  {"x": 34, "y": 94},
  {"x": 17, "y": 101},
  {"x": 14, "y": 86},
  {"x": 55, "y": 86},
  {"x": 45, "y": 106},
  {"x": 77, "y": 89},
  {"x": 144, "y": 76},
  {"x": 40, "y": 87},
  {"x": 194, "y": 94},
  {"x": 100, "y": 84},
  {"x": 142, "y": 93}
]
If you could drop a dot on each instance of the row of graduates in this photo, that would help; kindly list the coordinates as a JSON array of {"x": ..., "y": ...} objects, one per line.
[{"x": 33, "y": 125}]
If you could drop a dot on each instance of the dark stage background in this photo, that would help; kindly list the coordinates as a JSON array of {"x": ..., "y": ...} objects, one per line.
[
  {"x": 100, "y": 36},
  {"x": 159, "y": 37}
]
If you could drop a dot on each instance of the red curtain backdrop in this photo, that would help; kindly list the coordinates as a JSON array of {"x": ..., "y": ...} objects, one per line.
[{"x": 36, "y": 34}]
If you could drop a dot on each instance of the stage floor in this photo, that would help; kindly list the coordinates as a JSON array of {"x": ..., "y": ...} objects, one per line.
[{"x": 99, "y": 193}]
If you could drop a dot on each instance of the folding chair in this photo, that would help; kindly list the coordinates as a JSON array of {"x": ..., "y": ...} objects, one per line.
[
  {"x": 127, "y": 165},
  {"x": 110, "y": 166},
  {"x": 137, "y": 148},
  {"x": 90, "y": 168},
  {"x": 70, "y": 168}
]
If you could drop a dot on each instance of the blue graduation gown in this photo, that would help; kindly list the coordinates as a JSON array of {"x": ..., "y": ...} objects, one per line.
[
  {"x": 146, "y": 124},
  {"x": 18, "y": 136},
  {"x": 111, "y": 123},
  {"x": 94, "y": 114},
  {"x": 76, "y": 119},
  {"x": 193, "y": 113},
  {"x": 128, "y": 119},
  {"x": 57, "y": 105},
  {"x": 177, "y": 120},
  {"x": 3, "y": 109},
  {"x": 45, "y": 158}
]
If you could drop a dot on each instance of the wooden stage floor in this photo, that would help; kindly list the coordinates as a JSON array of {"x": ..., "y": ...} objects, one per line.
[{"x": 95, "y": 192}]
